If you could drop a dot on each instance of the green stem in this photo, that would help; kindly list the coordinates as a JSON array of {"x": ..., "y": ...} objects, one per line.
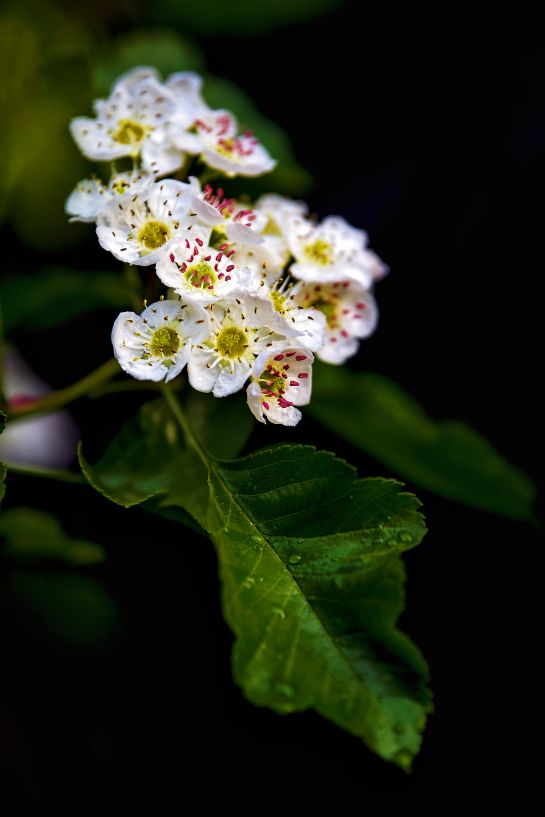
[
  {"x": 191, "y": 439},
  {"x": 47, "y": 473},
  {"x": 58, "y": 399}
]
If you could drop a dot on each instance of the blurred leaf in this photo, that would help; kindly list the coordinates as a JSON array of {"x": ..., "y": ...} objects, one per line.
[
  {"x": 3, "y": 471},
  {"x": 72, "y": 607},
  {"x": 238, "y": 17},
  {"x": 149, "y": 459},
  {"x": 289, "y": 177},
  {"x": 56, "y": 295},
  {"x": 162, "y": 49},
  {"x": 447, "y": 458},
  {"x": 31, "y": 535},
  {"x": 313, "y": 588}
]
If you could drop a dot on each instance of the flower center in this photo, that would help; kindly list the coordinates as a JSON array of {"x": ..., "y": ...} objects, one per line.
[
  {"x": 201, "y": 275},
  {"x": 232, "y": 342},
  {"x": 327, "y": 307},
  {"x": 272, "y": 383},
  {"x": 226, "y": 147},
  {"x": 129, "y": 132},
  {"x": 319, "y": 252},
  {"x": 153, "y": 234},
  {"x": 120, "y": 186},
  {"x": 278, "y": 300},
  {"x": 165, "y": 342},
  {"x": 271, "y": 228}
]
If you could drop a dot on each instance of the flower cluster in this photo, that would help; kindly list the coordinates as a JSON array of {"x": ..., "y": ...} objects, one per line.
[{"x": 254, "y": 290}]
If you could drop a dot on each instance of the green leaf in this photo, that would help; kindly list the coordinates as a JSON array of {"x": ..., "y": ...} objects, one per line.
[
  {"x": 149, "y": 459},
  {"x": 313, "y": 587},
  {"x": 447, "y": 458},
  {"x": 31, "y": 535},
  {"x": 289, "y": 177},
  {"x": 57, "y": 295},
  {"x": 72, "y": 607}
]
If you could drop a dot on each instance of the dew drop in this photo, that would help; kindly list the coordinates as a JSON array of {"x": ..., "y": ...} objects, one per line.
[
  {"x": 406, "y": 537},
  {"x": 279, "y": 613},
  {"x": 248, "y": 583},
  {"x": 294, "y": 559},
  {"x": 285, "y": 690},
  {"x": 257, "y": 539}
]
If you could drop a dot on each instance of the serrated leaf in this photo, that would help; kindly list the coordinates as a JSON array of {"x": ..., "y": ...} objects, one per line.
[
  {"x": 313, "y": 588},
  {"x": 31, "y": 535},
  {"x": 148, "y": 461},
  {"x": 448, "y": 458},
  {"x": 57, "y": 295}
]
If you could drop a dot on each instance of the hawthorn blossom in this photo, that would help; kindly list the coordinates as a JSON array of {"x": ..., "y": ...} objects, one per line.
[
  {"x": 138, "y": 228},
  {"x": 281, "y": 380},
  {"x": 214, "y": 136},
  {"x": 155, "y": 345},
  {"x": 350, "y": 311},
  {"x": 196, "y": 271},
  {"x": 90, "y": 196},
  {"x": 332, "y": 251},
  {"x": 131, "y": 122},
  {"x": 240, "y": 328},
  {"x": 236, "y": 221}
]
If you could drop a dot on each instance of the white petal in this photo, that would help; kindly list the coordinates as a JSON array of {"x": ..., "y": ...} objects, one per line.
[
  {"x": 159, "y": 156},
  {"x": 199, "y": 369},
  {"x": 229, "y": 382},
  {"x": 254, "y": 399},
  {"x": 92, "y": 138},
  {"x": 86, "y": 200},
  {"x": 340, "y": 351}
]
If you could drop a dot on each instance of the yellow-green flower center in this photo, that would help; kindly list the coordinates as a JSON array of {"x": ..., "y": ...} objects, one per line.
[
  {"x": 328, "y": 308},
  {"x": 201, "y": 275},
  {"x": 165, "y": 342},
  {"x": 226, "y": 147},
  {"x": 319, "y": 252},
  {"x": 278, "y": 300},
  {"x": 232, "y": 342},
  {"x": 153, "y": 234},
  {"x": 129, "y": 132},
  {"x": 120, "y": 186},
  {"x": 271, "y": 228}
]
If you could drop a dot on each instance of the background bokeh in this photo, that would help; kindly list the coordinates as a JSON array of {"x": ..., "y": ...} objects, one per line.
[{"x": 431, "y": 135}]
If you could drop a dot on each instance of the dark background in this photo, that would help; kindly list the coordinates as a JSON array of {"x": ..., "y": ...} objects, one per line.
[{"x": 433, "y": 139}]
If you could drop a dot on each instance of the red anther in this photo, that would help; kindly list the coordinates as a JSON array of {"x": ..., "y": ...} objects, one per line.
[
  {"x": 196, "y": 250},
  {"x": 199, "y": 241},
  {"x": 208, "y": 258},
  {"x": 230, "y": 268},
  {"x": 220, "y": 192},
  {"x": 361, "y": 306},
  {"x": 289, "y": 354},
  {"x": 346, "y": 284},
  {"x": 187, "y": 244},
  {"x": 265, "y": 405},
  {"x": 230, "y": 253},
  {"x": 227, "y": 277},
  {"x": 210, "y": 287},
  {"x": 344, "y": 334},
  {"x": 279, "y": 357},
  {"x": 283, "y": 403},
  {"x": 285, "y": 366},
  {"x": 223, "y": 246},
  {"x": 356, "y": 315},
  {"x": 172, "y": 258},
  {"x": 219, "y": 256},
  {"x": 333, "y": 340},
  {"x": 221, "y": 275},
  {"x": 300, "y": 357},
  {"x": 346, "y": 311},
  {"x": 302, "y": 375},
  {"x": 294, "y": 383}
]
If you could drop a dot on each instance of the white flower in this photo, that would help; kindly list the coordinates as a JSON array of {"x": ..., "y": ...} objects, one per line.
[
  {"x": 186, "y": 87},
  {"x": 351, "y": 314},
  {"x": 50, "y": 440},
  {"x": 236, "y": 221},
  {"x": 281, "y": 380},
  {"x": 138, "y": 228},
  {"x": 308, "y": 324},
  {"x": 155, "y": 345},
  {"x": 240, "y": 328},
  {"x": 331, "y": 251},
  {"x": 214, "y": 136},
  {"x": 90, "y": 196},
  {"x": 196, "y": 271},
  {"x": 280, "y": 213},
  {"x": 131, "y": 122}
]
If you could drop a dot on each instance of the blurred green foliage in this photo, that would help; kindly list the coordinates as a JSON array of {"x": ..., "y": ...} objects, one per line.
[
  {"x": 30, "y": 535},
  {"x": 239, "y": 17}
]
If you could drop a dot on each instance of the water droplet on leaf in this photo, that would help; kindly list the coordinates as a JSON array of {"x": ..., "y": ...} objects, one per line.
[
  {"x": 257, "y": 538},
  {"x": 406, "y": 537},
  {"x": 294, "y": 559},
  {"x": 248, "y": 583}
]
